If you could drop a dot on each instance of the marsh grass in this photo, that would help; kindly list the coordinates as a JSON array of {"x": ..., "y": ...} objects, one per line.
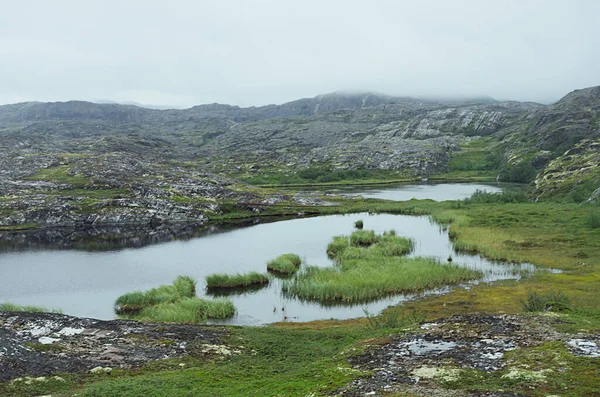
[
  {"x": 11, "y": 307},
  {"x": 183, "y": 287},
  {"x": 359, "y": 224},
  {"x": 285, "y": 264},
  {"x": 363, "y": 238},
  {"x": 172, "y": 303},
  {"x": 375, "y": 277},
  {"x": 187, "y": 310},
  {"x": 366, "y": 273},
  {"x": 236, "y": 281}
]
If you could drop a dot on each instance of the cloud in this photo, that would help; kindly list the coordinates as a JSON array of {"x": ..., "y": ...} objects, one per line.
[{"x": 183, "y": 53}]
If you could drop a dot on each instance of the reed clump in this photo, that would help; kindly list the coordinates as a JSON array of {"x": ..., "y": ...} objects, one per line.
[
  {"x": 223, "y": 281},
  {"x": 365, "y": 273},
  {"x": 172, "y": 303},
  {"x": 286, "y": 264}
]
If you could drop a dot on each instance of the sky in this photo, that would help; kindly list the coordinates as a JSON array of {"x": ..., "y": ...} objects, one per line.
[{"x": 176, "y": 53}]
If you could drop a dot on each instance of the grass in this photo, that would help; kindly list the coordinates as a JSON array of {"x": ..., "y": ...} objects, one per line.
[
  {"x": 388, "y": 244},
  {"x": 172, "y": 303},
  {"x": 554, "y": 301},
  {"x": 187, "y": 310},
  {"x": 359, "y": 224},
  {"x": 370, "y": 267},
  {"x": 506, "y": 196},
  {"x": 59, "y": 174},
  {"x": 11, "y": 307},
  {"x": 183, "y": 287},
  {"x": 220, "y": 280},
  {"x": 285, "y": 264},
  {"x": 298, "y": 359}
]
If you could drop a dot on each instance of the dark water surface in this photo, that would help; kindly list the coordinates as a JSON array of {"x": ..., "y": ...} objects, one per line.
[{"x": 86, "y": 283}]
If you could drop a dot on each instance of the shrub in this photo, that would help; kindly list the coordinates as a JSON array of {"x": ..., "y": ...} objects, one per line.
[
  {"x": 506, "y": 196},
  {"x": 359, "y": 224},
  {"x": 554, "y": 301},
  {"x": 593, "y": 220}
]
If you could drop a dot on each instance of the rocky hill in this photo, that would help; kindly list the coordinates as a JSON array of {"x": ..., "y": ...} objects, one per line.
[{"x": 81, "y": 163}]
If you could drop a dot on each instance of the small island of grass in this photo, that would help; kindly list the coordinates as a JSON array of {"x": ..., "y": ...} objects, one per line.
[
  {"x": 370, "y": 267},
  {"x": 172, "y": 303},
  {"x": 226, "y": 281},
  {"x": 286, "y": 264}
]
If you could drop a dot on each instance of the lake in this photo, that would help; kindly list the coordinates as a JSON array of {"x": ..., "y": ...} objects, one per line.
[{"x": 85, "y": 283}]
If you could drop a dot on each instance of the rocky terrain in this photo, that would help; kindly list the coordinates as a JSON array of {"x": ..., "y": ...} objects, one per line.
[
  {"x": 44, "y": 344},
  {"x": 82, "y": 164},
  {"x": 575, "y": 174},
  {"x": 454, "y": 351}
]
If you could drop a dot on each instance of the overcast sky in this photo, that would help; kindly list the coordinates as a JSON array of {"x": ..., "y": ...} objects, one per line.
[{"x": 247, "y": 52}]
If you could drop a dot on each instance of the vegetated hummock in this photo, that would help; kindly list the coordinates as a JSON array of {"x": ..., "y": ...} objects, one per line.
[
  {"x": 172, "y": 303},
  {"x": 221, "y": 280},
  {"x": 370, "y": 267},
  {"x": 286, "y": 264}
]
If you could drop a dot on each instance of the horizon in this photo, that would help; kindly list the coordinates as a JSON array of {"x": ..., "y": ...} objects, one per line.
[{"x": 441, "y": 98}]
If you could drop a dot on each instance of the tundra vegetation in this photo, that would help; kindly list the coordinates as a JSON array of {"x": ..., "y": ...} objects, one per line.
[{"x": 290, "y": 359}]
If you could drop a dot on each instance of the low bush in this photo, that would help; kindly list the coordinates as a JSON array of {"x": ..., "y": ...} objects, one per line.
[
  {"x": 554, "y": 301},
  {"x": 504, "y": 197}
]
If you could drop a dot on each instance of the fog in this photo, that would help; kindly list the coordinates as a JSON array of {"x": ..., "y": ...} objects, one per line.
[{"x": 183, "y": 53}]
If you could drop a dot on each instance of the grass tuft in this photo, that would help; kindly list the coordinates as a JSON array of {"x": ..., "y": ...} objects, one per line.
[
  {"x": 220, "y": 280},
  {"x": 552, "y": 301},
  {"x": 172, "y": 303},
  {"x": 359, "y": 224},
  {"x": 11, "y": 307},
  {"x": 285, "y": 264}
]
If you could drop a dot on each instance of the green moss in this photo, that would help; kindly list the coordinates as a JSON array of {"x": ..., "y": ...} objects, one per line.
[{"x": 59, "y": 174}]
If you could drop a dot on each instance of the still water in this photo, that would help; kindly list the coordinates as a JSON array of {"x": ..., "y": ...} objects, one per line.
[{"x": 86, "y": 284}]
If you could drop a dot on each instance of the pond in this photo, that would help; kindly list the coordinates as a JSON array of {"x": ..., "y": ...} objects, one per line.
[
  {"x": 421, "y": 191},
  {"x": 84, "y": 283}
]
